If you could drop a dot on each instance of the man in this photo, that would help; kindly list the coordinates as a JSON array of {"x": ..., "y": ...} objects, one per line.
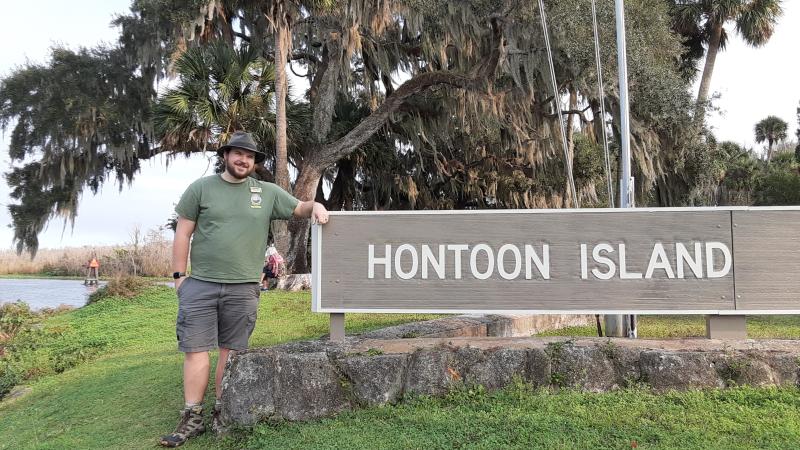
[{"x": 228, "y": 215}]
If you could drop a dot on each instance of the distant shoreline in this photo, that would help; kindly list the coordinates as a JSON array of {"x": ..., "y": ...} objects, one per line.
[
  {"x": 40, "y": 275},
  {"x": 44, "y": 276}
]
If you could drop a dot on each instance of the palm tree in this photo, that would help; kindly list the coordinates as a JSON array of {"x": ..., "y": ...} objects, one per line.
[
  {"x": 770, "y": 130},
  {"x": 220, "y": 90},
  {"x": 797, "y": 133},
  {"x": 281, "y": 15},
  {"x": 754, "y": 21}
]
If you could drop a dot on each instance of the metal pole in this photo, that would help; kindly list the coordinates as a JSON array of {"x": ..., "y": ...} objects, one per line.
[
  {"x": 626, "y": 323},
  {"x": 625, "y": 126},
  {"x": 557, "y": 102}
]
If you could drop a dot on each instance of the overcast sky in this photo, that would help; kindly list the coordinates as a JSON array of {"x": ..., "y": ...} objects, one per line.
[{"x": 752, "y": 83}]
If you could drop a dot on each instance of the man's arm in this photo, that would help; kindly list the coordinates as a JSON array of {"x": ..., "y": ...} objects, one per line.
[
  {"x": 313, "y": 210},
  {"x": 180, "y": 246}
]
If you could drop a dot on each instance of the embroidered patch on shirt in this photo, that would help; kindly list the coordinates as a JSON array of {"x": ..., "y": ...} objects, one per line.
[{"x": 255, "y": 200}]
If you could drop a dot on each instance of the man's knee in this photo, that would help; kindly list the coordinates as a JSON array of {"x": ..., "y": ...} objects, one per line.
[{"x": 197, "y": 358}]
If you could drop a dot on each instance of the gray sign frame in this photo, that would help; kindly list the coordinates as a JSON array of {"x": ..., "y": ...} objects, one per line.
[{"x": 748, "y": 288}]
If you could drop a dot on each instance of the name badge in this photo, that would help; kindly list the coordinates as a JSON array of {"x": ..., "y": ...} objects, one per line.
[
  {"x": 255, "y": 200},
  {"x": 255, "y": 189}
]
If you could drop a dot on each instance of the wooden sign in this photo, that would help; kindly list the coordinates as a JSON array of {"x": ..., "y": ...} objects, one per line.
[{"x": 658, "y": 261}]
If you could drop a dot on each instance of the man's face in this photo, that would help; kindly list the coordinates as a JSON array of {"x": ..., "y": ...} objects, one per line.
[{"x": 239, "y": 163}]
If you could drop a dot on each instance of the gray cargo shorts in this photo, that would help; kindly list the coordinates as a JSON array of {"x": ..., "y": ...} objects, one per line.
[{"x": 212, "y": 315}]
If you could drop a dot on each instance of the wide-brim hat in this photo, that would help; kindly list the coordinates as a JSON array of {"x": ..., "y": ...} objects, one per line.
[{"x": 244, "y": 140}]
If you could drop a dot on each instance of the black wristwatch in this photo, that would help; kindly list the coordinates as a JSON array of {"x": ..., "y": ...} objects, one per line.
[{"x": 176, "y": 275}]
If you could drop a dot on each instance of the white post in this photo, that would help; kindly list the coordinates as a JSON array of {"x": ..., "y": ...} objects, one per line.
[
  {"x": 619, "y": 322},
  {"x": 337, "y": 327}
]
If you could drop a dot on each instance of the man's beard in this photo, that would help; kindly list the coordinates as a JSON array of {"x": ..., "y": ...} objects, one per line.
[{"x": 231, "y": 169}]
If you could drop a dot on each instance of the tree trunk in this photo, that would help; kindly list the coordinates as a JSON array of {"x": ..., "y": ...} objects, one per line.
[
  {"x": 305, "y": 188},
  {"x": 708, "y": 69},
  {"x": 282, "y": 43},
  {"x": 323, "y": 99},
  {"x": 321, "y": 158},
  {"x": 573, "y": 105},
  {"x": 341, "y": 196}
]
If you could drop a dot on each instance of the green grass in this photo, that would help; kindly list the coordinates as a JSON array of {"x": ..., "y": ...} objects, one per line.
[
  {"x": 132, "y": 390},
  {"x": 665, "y": 327},
  {"x": 129, "y": 392},
  {"x": 518, "y": 417}
]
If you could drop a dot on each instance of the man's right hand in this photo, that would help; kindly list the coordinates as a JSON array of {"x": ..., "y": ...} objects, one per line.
[{"x": 178, "y": 282}]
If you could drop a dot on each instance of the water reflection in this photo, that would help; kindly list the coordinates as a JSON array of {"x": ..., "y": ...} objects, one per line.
[{"x": 45, "y": 293}]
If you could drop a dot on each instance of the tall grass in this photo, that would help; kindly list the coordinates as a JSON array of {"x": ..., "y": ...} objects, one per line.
[{"x": 146, "y": 255}]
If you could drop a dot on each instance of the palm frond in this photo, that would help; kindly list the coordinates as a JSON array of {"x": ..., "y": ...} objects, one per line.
[{"x": 757, "y": 20}]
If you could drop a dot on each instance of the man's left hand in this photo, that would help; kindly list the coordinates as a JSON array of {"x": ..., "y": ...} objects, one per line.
[{"x": 319, "y": 214}]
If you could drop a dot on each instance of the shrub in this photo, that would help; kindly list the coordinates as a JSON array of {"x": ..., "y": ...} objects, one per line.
[
  {"x": 69, "y": 355},
  {"x": 37, "y": 351},
  {"x": 9, "y": 376},
  {"x": 15, "y": 317},
  {"x": 126, "y": 286},
  {"x": 779, "y": 188}
]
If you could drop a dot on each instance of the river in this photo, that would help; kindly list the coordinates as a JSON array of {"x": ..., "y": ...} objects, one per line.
[{"x": 41, "y": 293}]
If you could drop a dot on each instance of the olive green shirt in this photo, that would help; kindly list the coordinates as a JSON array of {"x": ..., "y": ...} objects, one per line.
[{"x": 231, "y": 226}]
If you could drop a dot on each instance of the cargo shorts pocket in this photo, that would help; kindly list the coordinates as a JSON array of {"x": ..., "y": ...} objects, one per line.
[
  {"x": 180, "y": 323},
  {"x": 182, "y": 287}
]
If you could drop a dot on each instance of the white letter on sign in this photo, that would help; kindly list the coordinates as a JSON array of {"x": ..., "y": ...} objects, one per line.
[
  {"x": 658, "y": 260},
  {"x": 437, "y": 264},
  {"x": 726, "y": 266},
  {"x": 473, "y": 261},
  {"x": 682, "y": 256},
  {"x": 373, "y": 261},
  {"x": 542, "y": 264},
  {"x": 457, "y": 249},
  {"x": 623, "y": 266},
  {"x": 398, "y": 261},
  {"x": 612, "y": 269},
  {"x": 584, "y": 265},
  {"x": 501, "y": 263}
]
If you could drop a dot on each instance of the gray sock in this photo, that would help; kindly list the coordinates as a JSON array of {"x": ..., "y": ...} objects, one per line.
[{"x": 189, "y": 405}]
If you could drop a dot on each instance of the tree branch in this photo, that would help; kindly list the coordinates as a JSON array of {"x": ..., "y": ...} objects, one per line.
[
  {"x": 305, "y": 55},
  {"x": 476, "y": 79},
  {"x": 270, "y": 56},
  {"x": 242, "y": 36}
]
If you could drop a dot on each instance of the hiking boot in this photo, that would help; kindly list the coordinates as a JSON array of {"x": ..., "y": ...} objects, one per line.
[{"x": 191, "y": 425}]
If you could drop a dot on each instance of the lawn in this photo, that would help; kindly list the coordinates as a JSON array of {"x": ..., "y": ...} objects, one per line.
[
  {"x": 129, "y": 391},
  {"x": 665, "y": 327}
]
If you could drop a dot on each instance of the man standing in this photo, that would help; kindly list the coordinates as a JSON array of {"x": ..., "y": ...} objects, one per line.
[{"x": 228, "y": 217}]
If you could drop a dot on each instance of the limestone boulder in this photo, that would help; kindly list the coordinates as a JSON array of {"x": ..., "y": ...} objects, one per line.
[
  {"x": 587, "y": 368},
  {"x": 375, "y": 380},
  {"x": 679, "y": 370},
  {"x": 310, "y": 386},
  {"x": 497, "y": 368},
  {"x": 539, "y": 370},
  {"x": 431, "y": 372},
  {"x": 248, "y": 388}
]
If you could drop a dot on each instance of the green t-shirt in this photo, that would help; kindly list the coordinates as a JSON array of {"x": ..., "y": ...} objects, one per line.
[{"x": 231, "y": 226}]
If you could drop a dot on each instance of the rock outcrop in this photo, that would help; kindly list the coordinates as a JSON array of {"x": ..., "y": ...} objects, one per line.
[{"x": 312, "y": 379}]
